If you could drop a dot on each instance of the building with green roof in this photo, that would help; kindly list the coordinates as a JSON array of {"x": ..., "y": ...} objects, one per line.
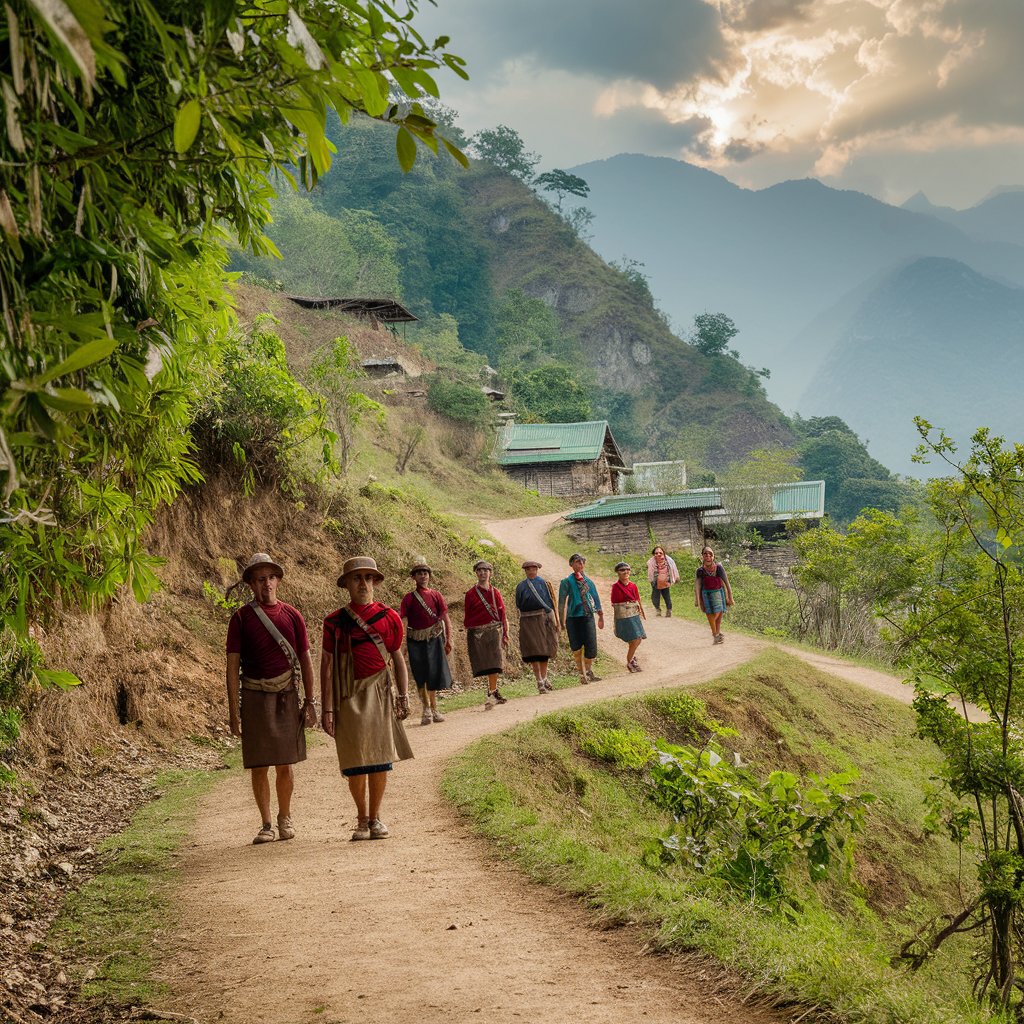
[{"x": 565, "y": 460}]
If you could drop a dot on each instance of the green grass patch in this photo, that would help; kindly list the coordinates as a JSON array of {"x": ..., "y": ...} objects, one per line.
[
  {"x": 110, "y": 928},
  {"x": 562, "y": 797}
]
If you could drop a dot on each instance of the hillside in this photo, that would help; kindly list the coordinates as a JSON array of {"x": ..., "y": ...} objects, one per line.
[{"x": 478, "y": 247}]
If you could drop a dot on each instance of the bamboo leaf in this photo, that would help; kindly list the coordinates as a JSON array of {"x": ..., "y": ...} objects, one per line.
[
  {"x": 57, "y": 679},
  {"x": 66, "y": 399},
  {"x": 11, "y": 104},
  {"x": 83, "y": 356},
  {"x": 65, "y": 28},
  {"x": 186, "y": 125}
]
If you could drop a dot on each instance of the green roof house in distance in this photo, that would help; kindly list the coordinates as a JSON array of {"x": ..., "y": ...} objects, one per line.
[
  {"x": 563, "y": 460},
  {"x": 628, "y": 522}
]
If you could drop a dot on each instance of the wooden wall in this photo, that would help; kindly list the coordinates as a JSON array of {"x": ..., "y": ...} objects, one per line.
[
  {"x": 566, "y": 479},
  {"x": 679, "y": 532}
]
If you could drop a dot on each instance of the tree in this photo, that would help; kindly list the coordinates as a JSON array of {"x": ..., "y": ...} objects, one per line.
[
  {"x": 335, "y": 372},
  {"x": 553, "y": 394},
  {"x": 138, "y": 137},
  {"x": 713, "y": 332},
  {"x": 503, "y": 147},
  {"x": 838, "y": 456},
  {"x": 748, "y": 491},
  {"x": 963, "y": 629},
  {"x": 563, "y": 184},
  {"x": 458, "y": 400}
]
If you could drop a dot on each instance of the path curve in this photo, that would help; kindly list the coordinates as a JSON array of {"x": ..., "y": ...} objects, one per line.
[{"x": 428, "y": 926}]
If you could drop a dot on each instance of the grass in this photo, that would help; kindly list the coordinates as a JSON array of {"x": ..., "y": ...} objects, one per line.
[
  {"x": 111, "y": 927},
  {"x": 585, "y": 826}
]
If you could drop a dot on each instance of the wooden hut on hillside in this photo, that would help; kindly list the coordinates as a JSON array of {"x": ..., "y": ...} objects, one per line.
[{"x": 564, "y": 460}]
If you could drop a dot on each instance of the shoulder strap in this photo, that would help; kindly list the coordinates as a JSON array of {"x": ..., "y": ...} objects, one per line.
[
  {"x": 426, "y": 607},
  {"x": 537, "y": 594},
  {"x": 371, "y": 633},
  {"x": 493, "y": 612},
  {"x": 275, "y": 633}
]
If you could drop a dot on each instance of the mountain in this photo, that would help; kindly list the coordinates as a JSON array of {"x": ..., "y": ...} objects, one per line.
[
  {"x": 775, "y": 259},
  {"x": 933, "y": 339}
]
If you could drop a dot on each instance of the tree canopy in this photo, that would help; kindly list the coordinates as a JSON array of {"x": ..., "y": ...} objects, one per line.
[
  {"x": 504, "y": 148},
  {"x": 713, "y": 332}
]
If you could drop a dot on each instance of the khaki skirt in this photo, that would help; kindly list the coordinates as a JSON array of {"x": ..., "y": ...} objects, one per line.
[
  {"x": 538, "y": 635},
  {"x": 272, "y": 728},
  {"x": 366, "y": 731},
  {"x": 485, "y": 655}
]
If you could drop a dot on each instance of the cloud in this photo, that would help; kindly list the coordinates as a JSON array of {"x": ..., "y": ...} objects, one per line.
[
  {"x": 758, "y": 15},
  {"x": 662, "y": 42}
]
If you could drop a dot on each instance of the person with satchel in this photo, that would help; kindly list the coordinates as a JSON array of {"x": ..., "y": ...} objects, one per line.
[
  {"x": 629, "y": 614},
  {"x": 428, "y": 639},
  {"x": 538, "y": 623},
  {"x": 486, "y": 631},
  {"x": 361, "y": 710},
  {"x": 267, "y": 653}
]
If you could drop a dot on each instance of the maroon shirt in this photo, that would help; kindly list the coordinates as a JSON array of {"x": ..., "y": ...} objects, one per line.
[
  {"x": 262, "y": 657},
  {"x": 477, "y": 614},
  {"x": 340, "y": 630},
  {"x": 416, "y": 615},
  {"x": 712, "y": 581}
]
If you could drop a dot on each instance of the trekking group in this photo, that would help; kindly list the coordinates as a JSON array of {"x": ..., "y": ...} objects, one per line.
[{"x": 364, "y": 680}]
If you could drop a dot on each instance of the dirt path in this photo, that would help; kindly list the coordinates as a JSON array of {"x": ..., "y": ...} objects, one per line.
[{"x": 428, "y": 927}]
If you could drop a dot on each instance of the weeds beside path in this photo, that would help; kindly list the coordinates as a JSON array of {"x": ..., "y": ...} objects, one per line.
[{"x": 427, "y": 926}]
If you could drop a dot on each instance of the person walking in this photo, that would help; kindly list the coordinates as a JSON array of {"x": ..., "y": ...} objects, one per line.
[
  {"x": 360, "y": 711},
  {"x": 661, "y": 573},
  {"x": 538, "y": 623},
  {"x": 487, "y": 631},
  {"x": 712, "y": 592},
  {"x": 629, "y": 614},
  {"x": 267, "y": 653},
  {"x": 579, "y": 605},
  {"x": 428, "y": 639}
]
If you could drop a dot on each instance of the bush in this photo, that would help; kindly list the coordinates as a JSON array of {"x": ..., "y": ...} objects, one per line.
[{"x": 459, "y": 401}]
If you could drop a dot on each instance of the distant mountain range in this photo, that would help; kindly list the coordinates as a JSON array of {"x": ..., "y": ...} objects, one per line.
[{"x": 832, "y": 290}]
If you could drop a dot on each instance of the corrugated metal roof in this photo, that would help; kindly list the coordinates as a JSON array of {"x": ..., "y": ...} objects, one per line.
[
  {"x": 806, "y": 496},
  {"x": 606, "y": 508},
  {"x": 528, "y": 443}
]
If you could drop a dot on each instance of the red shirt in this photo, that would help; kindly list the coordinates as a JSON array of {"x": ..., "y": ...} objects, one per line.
[
  {"x": 416, "y": 614},
  {"x": 262, "y": 657},
  {"x": 476, "y": 613},
  {"x": 624, "y": 592},
  {"x": 341, "y": 632}
]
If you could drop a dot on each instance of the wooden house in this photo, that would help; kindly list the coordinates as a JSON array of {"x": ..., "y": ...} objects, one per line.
[
  {"x": 637, "y": 522},
  {"x": 564, "y": 460}
]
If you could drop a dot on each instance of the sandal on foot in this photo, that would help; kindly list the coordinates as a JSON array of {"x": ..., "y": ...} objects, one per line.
[{"x": 265, "y": 835}]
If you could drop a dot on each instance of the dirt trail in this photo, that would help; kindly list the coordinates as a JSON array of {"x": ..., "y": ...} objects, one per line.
[{"x": 428, "y": 926}]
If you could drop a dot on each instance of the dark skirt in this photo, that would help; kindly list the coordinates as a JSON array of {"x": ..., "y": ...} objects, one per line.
[
  {"x": 714, "y": 601},
  {"x": 538, "y": 636},
  {"x": 272, "y": 728},
  {"x": 630, "y": 628},
  {"x": 485, "y": 654},
  {"x": 429, "y": 664},
  {"x": 582, "y": 630}
]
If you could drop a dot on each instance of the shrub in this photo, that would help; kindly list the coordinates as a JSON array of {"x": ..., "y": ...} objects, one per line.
[{"x": 459, "y": 401}]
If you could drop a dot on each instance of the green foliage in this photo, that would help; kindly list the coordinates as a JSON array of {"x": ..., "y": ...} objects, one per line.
[
  {"x": 503, "y": 147},
  {"x": 459, "y": 401},
  {"x": 748, "y": 490},
  {"x": 348, "y": 254},
  {"x": 225, "y": 602},
  {"x": 562, "y": 184},
  {"x": 438, "y": 339},
  {"x": 334, "y": 372},
  {"x": 552, "y": 394},
  {"x": 746, "y": 832},
  {"x": 712, "y": 333},
  {"x": 632, "y": 272},
  {"x": 263, "y": 419}
]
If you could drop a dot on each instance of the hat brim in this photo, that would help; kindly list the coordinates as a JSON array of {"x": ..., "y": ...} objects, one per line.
[
  {"x": 249, "y": 569},
  {"x": 378, "y": 576}
]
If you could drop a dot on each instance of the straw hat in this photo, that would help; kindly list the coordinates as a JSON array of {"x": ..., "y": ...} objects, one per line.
[
  {"x": 420, "y": 563},
  {"x": 258, "y": 559},
  {"x": 356, "y": 564},
  {"x": 483, "y": 564}
]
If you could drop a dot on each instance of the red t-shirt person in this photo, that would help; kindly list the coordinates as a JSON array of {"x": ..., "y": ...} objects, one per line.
[
  {"x": 262, "y": 657},
  {"x": 341, "y": 630}
]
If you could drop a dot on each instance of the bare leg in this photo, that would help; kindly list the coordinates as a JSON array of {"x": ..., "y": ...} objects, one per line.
[
  {"x": 284, "y": 779},
  {"x": 357, "y": 786},
  {"x": 376, "y": 782},
  {"x": 538, "y": 669},
  {"x": 718, "y": 623},
  {"x": 261, "y": 790},
  {"x": 578, "y": 656},
  {"x": 424, "y": 696},
  {"x": 492, "y": 682},
  {"x": 712, "y": 624},
  {"x": 631, "y": 650}
]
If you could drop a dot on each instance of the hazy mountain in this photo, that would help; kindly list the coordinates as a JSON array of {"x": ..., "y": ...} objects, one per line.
[
  {"x": 932, "y": 339},
  {"x": 776, "y": 259},
  {"x": 999, "y": 217}
]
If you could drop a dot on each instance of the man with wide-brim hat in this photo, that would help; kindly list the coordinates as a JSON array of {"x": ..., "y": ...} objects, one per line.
[
  {"x": 360, "y": 706},
  {"x": 538, "y": 623},
  {"x": 428, "y": 639},
  {"x": 579, "y": 608},
  {"x": 267, "y": 653},
  {"x": 486, "y": 631}
]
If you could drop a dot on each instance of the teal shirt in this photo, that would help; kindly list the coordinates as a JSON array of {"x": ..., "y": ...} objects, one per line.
[{"x": 570, "y": 598}]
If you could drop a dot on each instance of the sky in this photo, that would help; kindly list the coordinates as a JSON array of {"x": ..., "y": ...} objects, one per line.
[{"x": 884, "y": 96}]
